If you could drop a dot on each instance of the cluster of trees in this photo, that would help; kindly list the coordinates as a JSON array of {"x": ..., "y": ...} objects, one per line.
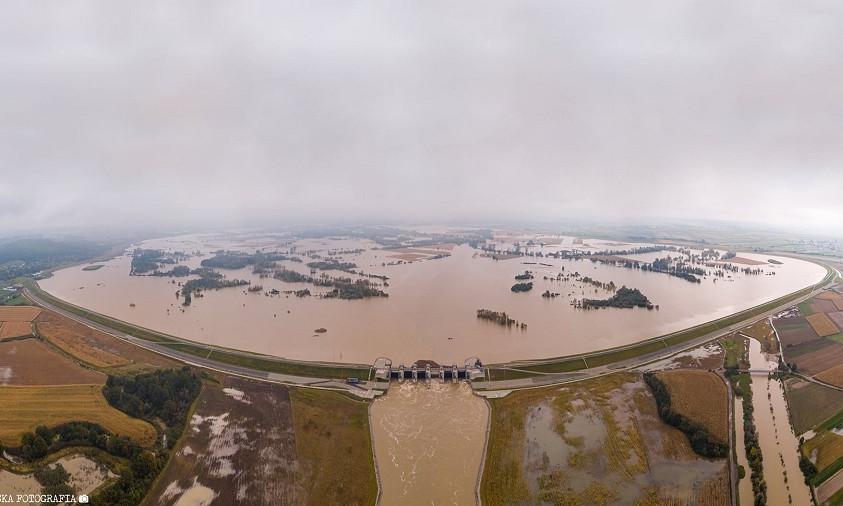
[
  {"x": 525, "y": 276},
  {"x": 238, "y": 260},
  {"x": 499, "y": 317},
  {"x": 623, "y": 298},
  {"x": 808, "y": 468},
  {"x": 342, "y": 287},
  {"x": 54, "y": 480},
  {"x": 292, "y": 276},
  {"x": 610, "y": 286},
  {"x": 741, "y": 386},
  {"x": 345, "y": 288},
  {"x": 134, "y": 478},
  {"x": 179, "y": 271},
  {"x": 677, "y": 269},
  {"x": 522, "y": 287},
  {"x": 208, "y": 283},
  {"x": 332, "y": 265},
  {"x": 162, "y": 395},
  {"x": 44, "y": 440},
  {"x": 701, "y": 441},
  {"x": 148, "y": 260}
]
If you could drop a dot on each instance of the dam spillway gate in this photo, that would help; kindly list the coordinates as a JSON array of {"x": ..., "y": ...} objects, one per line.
[{"x": 423, "y": 370}]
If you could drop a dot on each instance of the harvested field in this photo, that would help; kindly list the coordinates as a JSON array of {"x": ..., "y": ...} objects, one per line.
[
  {"x": 240, "y": 445},
  {"x": 25, "y": 407},
  {"x": 822, "y": 306},
  {"x": 701, "y": 397},
  {"x": 794, "y": 331},
  {"x": 830, "y": 487},
  {"x": 811, "y": 404},
  {"x": 818, "y": 361},
  {"x": 792, "y": 352},
  {"x": 823, "y": 449},
  {"x": 827, "y": 295},
  {"x": 832, "y": 376},
  {"x": 97, "y": 348},
  {"x": 597, "y": 442},
  {"x": 837, "y": 318},
  {"x": 764, "y": 333},
  {"x": 334, "y": 448},
  {"x": 31, "y": 362},
  {"x": 15, "y": 329},
  {"x": 833, "y": 297},
  {"x": 822, "y": 324},
  {"x": 18, "y": 313}
]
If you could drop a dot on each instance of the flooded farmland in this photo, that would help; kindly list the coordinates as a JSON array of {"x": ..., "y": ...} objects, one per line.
[
  {"x": 429, "y": 441},
  {"x": 596, "y": 442},
  {"x": 433, "y": 296}
]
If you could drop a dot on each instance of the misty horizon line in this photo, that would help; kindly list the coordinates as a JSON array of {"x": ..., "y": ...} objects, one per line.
[{"x": 655, "y": 229}]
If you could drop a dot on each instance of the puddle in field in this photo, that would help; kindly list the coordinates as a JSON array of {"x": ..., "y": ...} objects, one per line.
[{"x": 584, "y": 453}]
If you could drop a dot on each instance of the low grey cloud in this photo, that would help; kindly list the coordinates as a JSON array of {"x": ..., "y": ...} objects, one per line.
[{"x": 232, "y": 113}]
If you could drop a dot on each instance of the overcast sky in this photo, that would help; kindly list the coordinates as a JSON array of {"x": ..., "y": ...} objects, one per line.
[{"x": 175, "y": 113}]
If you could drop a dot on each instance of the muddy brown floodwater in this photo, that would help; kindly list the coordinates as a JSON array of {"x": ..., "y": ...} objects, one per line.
[
  {"x": 744, "y": 485},
  {"x": 428, "y": 440},
  {"x": 431, "y": 309},
  {"x": 779, "y": 445}
]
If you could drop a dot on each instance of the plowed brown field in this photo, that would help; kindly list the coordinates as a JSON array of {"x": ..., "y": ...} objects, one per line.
[
  {"x": 31, "y": 362},
  {"x": 822, "y": 324},
  {"x": 14, "y": 329}
]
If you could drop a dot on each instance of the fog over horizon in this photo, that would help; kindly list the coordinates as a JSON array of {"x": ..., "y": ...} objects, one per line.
[{"x": 119, "y": 114}]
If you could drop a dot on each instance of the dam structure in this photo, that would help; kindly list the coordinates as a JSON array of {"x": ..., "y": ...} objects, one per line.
[{"x": 422, "y": 370}]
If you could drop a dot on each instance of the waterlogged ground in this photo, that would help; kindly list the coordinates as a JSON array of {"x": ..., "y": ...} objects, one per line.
[
  {"x": 239, "y": 447},
  {"x": 434, "y": 293},
  {"x": 599, "y": 442},
  {"x": 428, "y": 442},
  {"x": 253, "y": 442},
  {"x": 86, "y": 476}
]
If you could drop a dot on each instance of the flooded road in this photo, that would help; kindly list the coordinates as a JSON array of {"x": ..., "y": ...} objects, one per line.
[
  {"x": 428, "y": 440},
  {"x": 779, "y": 445},
  {"x": 431, "y": 309}
]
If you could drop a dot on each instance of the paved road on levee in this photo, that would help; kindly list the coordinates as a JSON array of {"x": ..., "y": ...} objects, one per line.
[{"x": 363, "y": 389}]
